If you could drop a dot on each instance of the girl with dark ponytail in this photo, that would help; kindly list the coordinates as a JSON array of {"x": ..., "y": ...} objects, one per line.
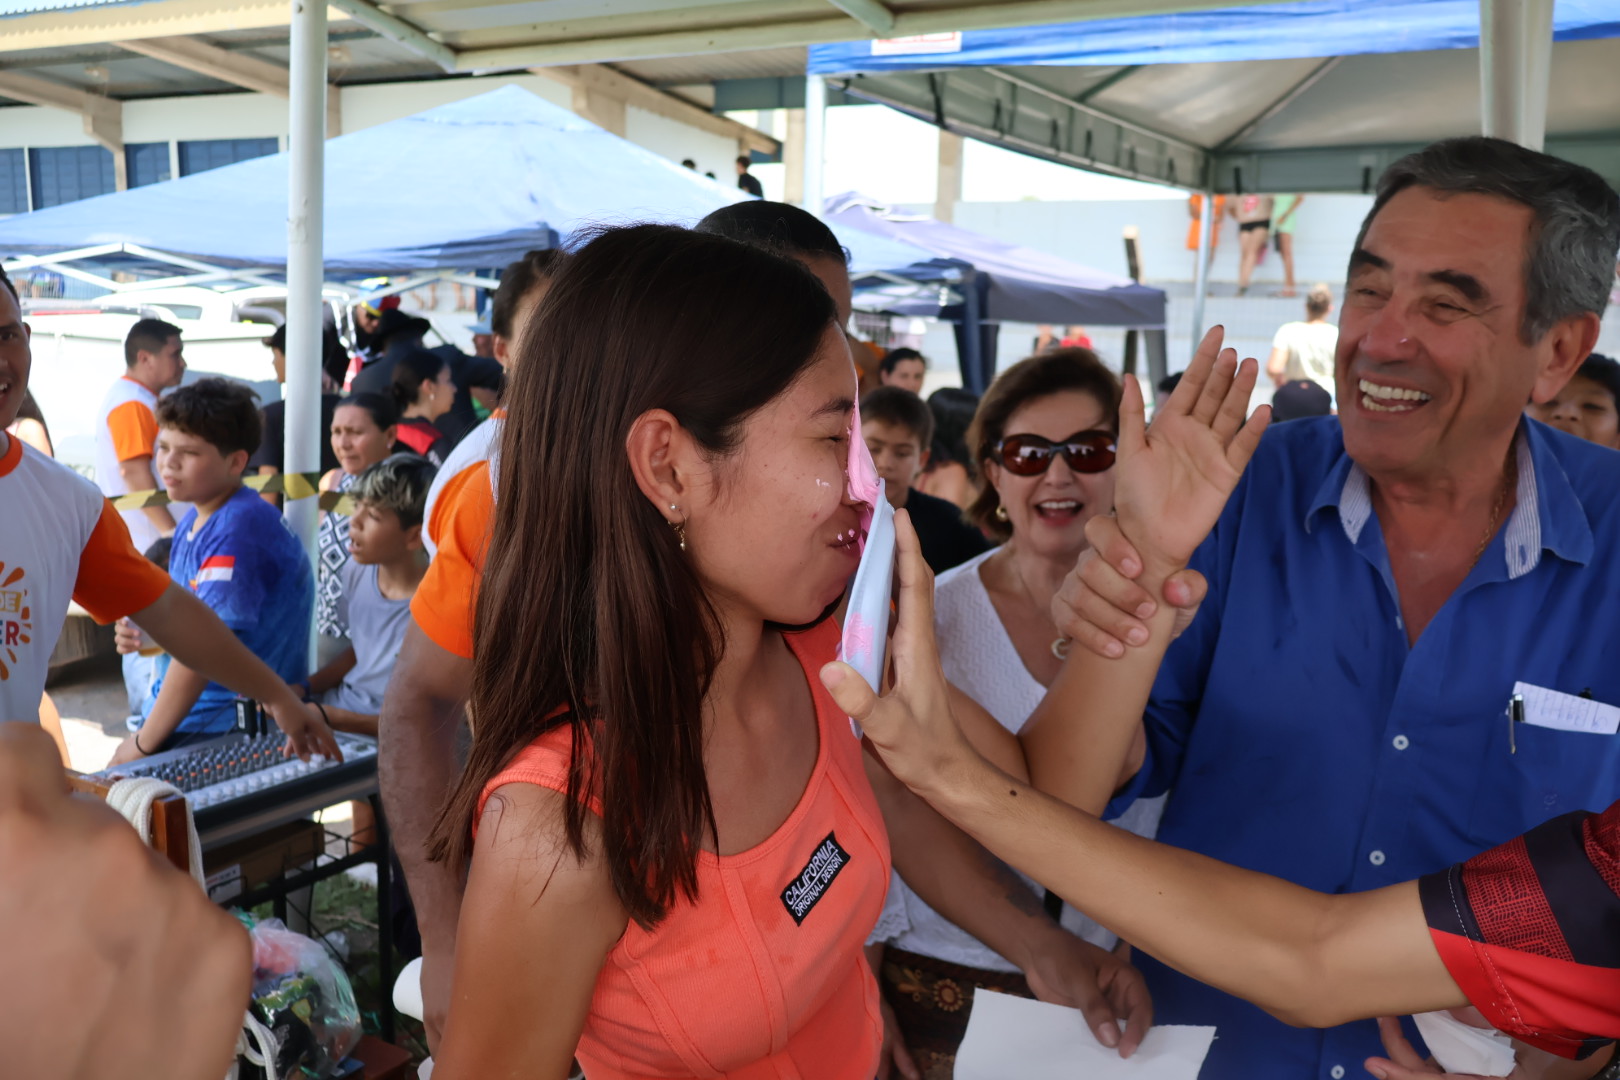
[{"x": 423, "y": 392}]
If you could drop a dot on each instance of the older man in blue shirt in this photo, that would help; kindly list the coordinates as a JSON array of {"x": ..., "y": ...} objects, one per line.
[{"x": 1383, "y": 584}]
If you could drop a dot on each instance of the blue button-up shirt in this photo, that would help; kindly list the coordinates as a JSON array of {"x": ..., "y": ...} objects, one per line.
[{"x": 1300, "y": 735}]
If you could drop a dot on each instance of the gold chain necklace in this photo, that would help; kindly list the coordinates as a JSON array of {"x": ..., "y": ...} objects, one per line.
[
  {"x": 1496, "y": 508},
  {"x": 1060, "y": 645}
]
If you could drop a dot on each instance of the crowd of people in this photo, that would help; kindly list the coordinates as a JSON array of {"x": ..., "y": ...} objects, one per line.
[{"x": 597, "y": 636}]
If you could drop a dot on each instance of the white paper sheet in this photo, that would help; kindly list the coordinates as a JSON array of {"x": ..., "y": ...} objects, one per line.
[{"x": 1014, "y": 1038}]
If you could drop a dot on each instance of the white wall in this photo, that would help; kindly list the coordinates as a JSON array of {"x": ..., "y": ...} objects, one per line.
[
  {"x": 214, "y": 116},
  {"x": 367, "y": 106},
  {"x": 30, "y": 125},
  {"x": 676, "y": 141},
  {"x": 1092, "y": 233}
]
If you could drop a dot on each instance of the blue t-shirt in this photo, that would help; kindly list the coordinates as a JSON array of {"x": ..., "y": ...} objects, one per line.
[{"x": 247, "y": 566}]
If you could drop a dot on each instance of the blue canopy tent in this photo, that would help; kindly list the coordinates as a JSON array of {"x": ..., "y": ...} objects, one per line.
[
  {"x": 475, "y": 183},
  {"x": 1308, "y": 95},
  {"x": 1302, "y": 96},
  {"x": 984, "y": 281},
  {"x": 1312, "y": 28}
]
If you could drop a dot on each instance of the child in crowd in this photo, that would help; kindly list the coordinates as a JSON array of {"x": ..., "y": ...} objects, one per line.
[
  {"x": 905, "y": 368},
  {"x": 898, "y": 428},
  {"x": 387, "y": 563},
  {"x": 951, "y": 473},
  {"x": 1589, "y": 406},
  {"x": 233, "y": 551}
]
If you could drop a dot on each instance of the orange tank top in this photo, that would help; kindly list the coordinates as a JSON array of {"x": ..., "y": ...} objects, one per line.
[{"x": 763, "y": 976}]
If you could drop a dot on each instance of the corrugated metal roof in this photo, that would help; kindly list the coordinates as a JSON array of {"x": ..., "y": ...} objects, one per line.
[
  {"x": 34, "y": 7},
  {"x": 761, "y": 63}
]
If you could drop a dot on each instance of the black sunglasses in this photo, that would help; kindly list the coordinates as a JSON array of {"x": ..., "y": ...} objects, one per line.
[{"x": 1031, "y": 455}]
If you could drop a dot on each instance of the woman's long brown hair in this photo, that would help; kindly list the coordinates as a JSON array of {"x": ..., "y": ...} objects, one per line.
[{"x": 589, "y": 614}]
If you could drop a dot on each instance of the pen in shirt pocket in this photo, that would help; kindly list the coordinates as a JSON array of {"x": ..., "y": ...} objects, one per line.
[{"x": 1515, "y": 712}]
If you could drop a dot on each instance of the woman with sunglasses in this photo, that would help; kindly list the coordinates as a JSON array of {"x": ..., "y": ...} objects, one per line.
[{"x": 1044, "y": 439}]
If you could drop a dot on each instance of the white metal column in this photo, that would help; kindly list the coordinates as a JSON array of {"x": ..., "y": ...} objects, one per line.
[
  {"x": 815, "y": 142},
  {"x": 1206, "y": 228},
  {"x": 307, "y": 173},
  {"x": 1515, "y": 63}
]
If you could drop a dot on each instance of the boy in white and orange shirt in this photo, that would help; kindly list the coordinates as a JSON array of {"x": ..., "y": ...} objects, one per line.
[{"x": 126, "y": 431}]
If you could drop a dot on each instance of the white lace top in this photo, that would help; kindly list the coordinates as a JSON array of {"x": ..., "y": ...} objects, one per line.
[{"x": 980, "y": 659}]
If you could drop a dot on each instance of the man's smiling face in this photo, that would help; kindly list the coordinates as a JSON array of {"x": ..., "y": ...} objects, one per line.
[
  {"x": 15, "y": 359},
  {"x": 1432, "y": 366}
]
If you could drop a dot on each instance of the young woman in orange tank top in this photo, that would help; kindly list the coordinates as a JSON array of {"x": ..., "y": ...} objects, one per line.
[
  {"x": 675, "y": 855},
  {"x": 675, "y": 851}
]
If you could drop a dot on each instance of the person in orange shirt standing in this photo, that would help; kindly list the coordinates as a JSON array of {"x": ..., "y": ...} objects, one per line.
[
  {"x": 1195, "y": 208},
  {"x": 126, "y": 453},
  {"x": 126, "y": 433},
  {"x": 523, "y": 285}
]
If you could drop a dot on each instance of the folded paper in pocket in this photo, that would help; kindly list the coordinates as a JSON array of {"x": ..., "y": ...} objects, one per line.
[{"x": 1567, "y": 712}]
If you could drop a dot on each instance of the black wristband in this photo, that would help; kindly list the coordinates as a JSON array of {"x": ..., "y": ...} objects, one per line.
[{"x": 135, "y": 737}]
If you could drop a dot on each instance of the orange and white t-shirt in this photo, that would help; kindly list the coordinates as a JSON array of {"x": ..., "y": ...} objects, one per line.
[
  {"x": 59, "y": 539},
  {"x": 456, "y": 521},
  {"x": 475, "y": 449},
  {"x": 443, "y": 604},
  {"x": 127, "y": 429}
]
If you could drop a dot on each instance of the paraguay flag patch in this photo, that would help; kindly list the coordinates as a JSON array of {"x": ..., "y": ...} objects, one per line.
[{"x": 215, "y": 568}]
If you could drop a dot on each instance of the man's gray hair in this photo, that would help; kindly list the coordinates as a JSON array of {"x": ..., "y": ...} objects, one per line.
[
  {"x": 1571, "y": 263},
  {"x": 399, "y": 482}
]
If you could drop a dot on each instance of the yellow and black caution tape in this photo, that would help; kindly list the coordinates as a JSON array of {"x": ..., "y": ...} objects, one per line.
[{"x": 291, "y": 485}]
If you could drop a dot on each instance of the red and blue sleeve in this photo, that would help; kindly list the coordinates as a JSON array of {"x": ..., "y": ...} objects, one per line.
[{"x": 1530, "y": 931}]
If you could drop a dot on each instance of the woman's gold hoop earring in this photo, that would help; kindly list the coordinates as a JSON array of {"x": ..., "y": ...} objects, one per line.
[
  {"x": 678, "y": 526},
  {"x": 1001, "y": 513}
]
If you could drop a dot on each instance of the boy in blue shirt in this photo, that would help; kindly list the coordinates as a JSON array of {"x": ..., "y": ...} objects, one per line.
[{"x": 233, "y": 551}]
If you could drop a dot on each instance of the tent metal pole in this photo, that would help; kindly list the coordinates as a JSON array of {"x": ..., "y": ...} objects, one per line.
[
  {"x": 970, "y": 335},
  {"x": 1206, "y": 229},
  {"x": 306, "y": 182},
  {"x": 1515, "y": 65},
  {"x": 815, "y": 142}
]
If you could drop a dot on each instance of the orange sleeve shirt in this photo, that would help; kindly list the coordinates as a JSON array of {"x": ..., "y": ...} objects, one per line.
[
  {"x": 114, "y": 579},
  {"x": 134, "y": 430},
  {"x": 443, "y": 605},
  {"x": 60, "y": 540}
]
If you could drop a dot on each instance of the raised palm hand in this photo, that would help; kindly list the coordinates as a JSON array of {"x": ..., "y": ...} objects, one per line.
[{"x": 1172, "y": 480}]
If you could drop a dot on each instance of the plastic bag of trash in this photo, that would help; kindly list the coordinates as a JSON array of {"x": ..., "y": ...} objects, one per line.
[{"x": 304, "y": 997}]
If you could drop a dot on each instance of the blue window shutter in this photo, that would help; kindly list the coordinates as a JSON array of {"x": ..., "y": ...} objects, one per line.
[
  {"x": 13, "y": 182},
  {"x": 148, "y": 163},
  {"x": 64, "y": 174},
  {"x": 200, "y": 155}
]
